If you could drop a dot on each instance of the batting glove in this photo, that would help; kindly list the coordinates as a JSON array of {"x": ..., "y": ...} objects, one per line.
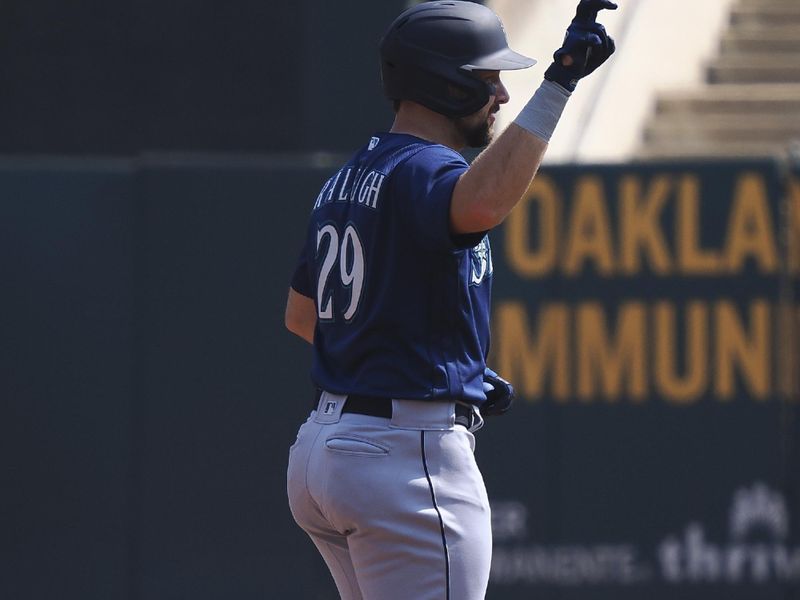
[
  {"x": 586, "y": 46},
  {"x": 499, "y": 394}
]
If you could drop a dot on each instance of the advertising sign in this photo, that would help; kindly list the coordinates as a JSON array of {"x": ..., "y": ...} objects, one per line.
[{"x": 646, "y": 315}]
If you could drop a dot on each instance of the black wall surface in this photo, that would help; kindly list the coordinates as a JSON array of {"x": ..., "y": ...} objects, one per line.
[
  {"x": 149, "y": 391},
  {"x": 121, "y": 77},
  {"x": 66, "y": 381}
]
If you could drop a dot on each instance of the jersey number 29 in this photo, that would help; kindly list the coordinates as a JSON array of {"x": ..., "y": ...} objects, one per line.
[{"x": 350, "y": 255}]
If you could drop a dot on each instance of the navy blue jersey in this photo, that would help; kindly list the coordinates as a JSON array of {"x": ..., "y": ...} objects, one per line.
[{"x": 402, "y": 305}]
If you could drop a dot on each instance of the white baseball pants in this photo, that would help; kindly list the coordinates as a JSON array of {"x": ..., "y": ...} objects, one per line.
[{"x": 397, "y": 507}]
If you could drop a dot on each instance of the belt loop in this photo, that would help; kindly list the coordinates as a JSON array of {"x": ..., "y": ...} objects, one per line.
[{"x": 329, "y": 409}]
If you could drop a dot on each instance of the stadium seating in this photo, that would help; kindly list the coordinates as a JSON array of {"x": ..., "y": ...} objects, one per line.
[{"x": 750, "y": 105}]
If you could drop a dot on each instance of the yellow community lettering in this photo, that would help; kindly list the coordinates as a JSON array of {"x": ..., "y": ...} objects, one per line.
[
  {"x": 610, "y": 364},
  {"x": 586, "y": 352},
  {"x": 541, "y": 238}
]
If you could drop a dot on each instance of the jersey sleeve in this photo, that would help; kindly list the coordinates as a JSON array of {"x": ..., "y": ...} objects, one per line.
[
  {"x": 301, "y": 282},
  {"x": 423, "y": 186}
]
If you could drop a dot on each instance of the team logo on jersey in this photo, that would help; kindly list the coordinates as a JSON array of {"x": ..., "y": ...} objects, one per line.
[
  {"x": 330, "y": 408},
  {"x": 481, "y": 258},
  {"x": 373, "y": 142}
]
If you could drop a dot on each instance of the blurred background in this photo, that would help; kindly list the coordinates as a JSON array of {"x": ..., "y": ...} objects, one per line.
[{"x": 157, "y": 164}]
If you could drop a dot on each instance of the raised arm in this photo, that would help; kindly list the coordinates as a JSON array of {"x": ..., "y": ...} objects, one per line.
[{"x": 488, "y": 191}]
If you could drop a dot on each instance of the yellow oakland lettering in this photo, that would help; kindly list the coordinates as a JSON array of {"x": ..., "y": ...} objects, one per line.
[
  {"x": 738, "y": 350},
  {"x": 674, "y": 388},
  {"x": 750, "y": 231},
  {"x": 639, "y": 225},
  {"x": 525, "y": 260},
  {"x": 607, "y": 359},
  {"x": 589, "y": 231},
  {"x": 528, "y": 359},
  {"x": 692, "y": 258}
]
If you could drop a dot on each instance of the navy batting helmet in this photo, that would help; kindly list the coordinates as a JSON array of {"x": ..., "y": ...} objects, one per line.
[{"x": 430, "y": 51}]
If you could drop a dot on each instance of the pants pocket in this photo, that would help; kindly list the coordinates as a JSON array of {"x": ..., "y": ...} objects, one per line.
[{"x": 350, "y": 444}]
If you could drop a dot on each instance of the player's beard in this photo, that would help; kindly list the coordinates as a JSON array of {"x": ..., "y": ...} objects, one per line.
[{"x": 475, "y": 134}]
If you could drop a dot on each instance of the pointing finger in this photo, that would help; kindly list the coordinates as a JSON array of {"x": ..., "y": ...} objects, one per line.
[{"x": 588, "y": 9}]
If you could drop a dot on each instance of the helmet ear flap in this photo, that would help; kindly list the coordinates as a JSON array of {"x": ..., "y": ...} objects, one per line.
[
  {"x": 453, "y": 97},
  {"x": 467, "y": 96},
  {"x": 456, "y": 92}
]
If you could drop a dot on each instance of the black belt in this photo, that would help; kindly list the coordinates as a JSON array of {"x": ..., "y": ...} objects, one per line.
[{"x": 382, "y": 407}]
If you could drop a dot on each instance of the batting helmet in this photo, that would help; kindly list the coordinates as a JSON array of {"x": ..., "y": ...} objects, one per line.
[{"x": 430, "y": 51}]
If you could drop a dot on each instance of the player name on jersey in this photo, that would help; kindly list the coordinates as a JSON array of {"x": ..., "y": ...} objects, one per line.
[{"x": 361, "y": 188}]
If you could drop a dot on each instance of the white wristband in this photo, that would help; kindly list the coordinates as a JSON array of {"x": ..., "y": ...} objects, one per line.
[{"x": 542, "y": 112}]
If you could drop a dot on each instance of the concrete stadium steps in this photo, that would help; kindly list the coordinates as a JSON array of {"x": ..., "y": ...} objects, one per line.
[
  {"x": 679, "y": 149},
  {"x": 724, "y": 120},
  {"x": 755, "y": 68},
  {"x": 740, "y": 100},
  {"x": 750, "y": 105},
  {"x": 773, "y": 128},
  {"x": 766, "y": 13},
  {"x": 779, "y": 39}
]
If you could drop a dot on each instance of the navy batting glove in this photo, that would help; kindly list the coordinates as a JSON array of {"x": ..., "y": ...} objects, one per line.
[
  {"x": 586, "y": 46},
  {"x": 499, "y": 394}
]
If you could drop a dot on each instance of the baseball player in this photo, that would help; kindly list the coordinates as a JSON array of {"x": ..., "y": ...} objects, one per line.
[{"x": 392, "y": 288}]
